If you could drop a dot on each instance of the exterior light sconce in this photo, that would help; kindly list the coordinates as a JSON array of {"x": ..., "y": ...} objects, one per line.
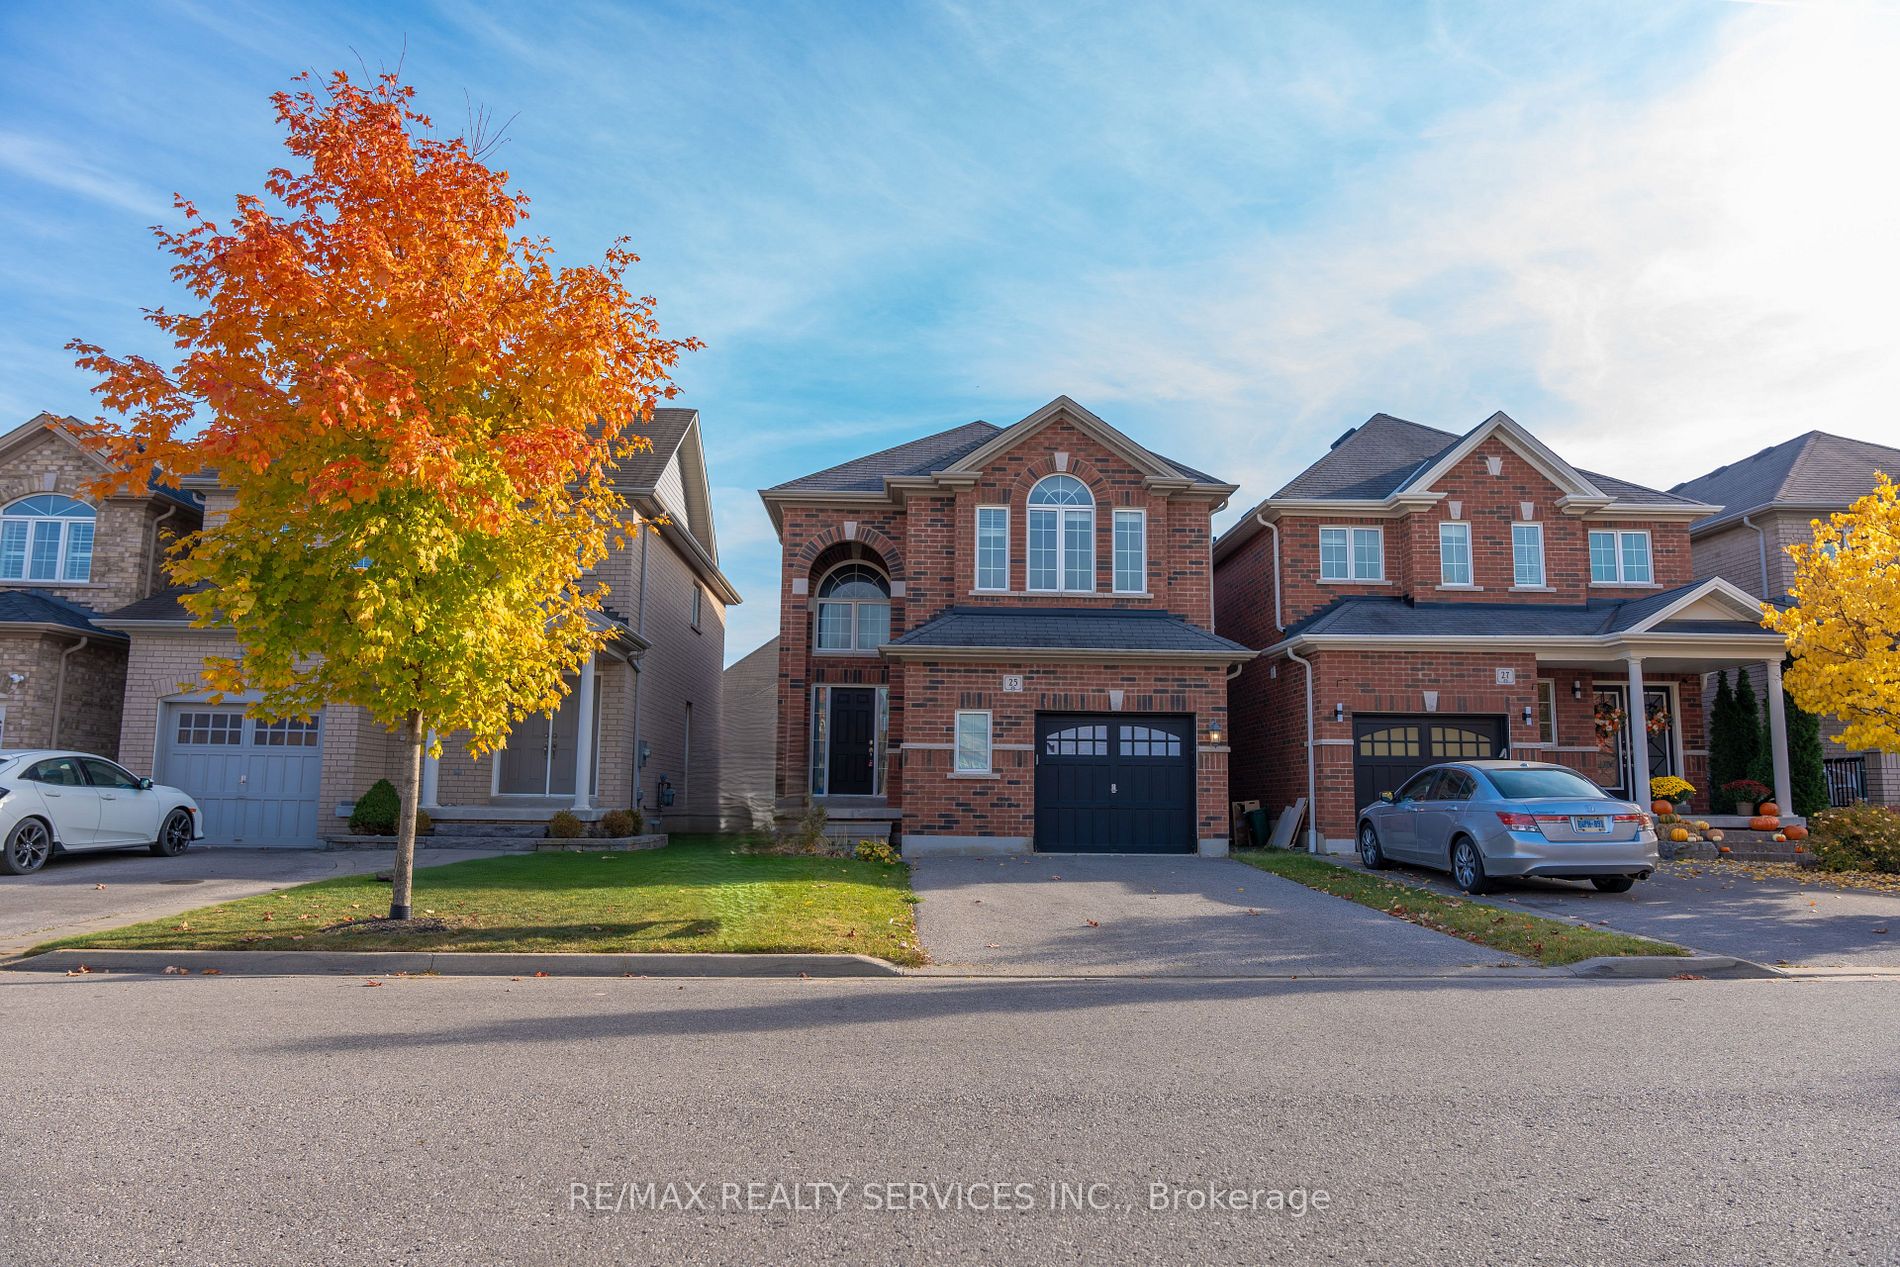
[
  {"x": 1576, "y": 688},
  {"x": 1339, "y": 712},
  {"x": 1527, "y": 714},
  {"x": 1213, "y": 734}
]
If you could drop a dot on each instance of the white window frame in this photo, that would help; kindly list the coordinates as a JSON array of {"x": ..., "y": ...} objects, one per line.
[
  {"x": 1544, "y": 686},
  {"x": 989, "y": 742},
  {"x": 1458, "y": 528},
  {"x": 978, "y": 525},
  {"x": 1543, "y": 576},
  {"x": 1352, "y": 576},
  {"x": 686, "y": 753},
  {"x": 31, "y": 525},
  {"x": 1061, "y": 515},
  {"x": 1620, "y": 536},
  {"x": 699, "y": 599},
  {"x": 1115, "y": 551},
  {"x": 819, "y": 601}
]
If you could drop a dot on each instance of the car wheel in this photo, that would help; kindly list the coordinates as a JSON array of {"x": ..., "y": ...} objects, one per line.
[
  {"x": 1369, "y": 851},
  {"x": 28, "y": 846},
  {"x": 175, "y": 836},
  {"x": 1612, "y": 883},
  {"x": 1467, "y": 866}
]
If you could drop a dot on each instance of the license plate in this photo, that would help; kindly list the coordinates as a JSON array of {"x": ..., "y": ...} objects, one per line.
[{"x": 1596, "y": 824}]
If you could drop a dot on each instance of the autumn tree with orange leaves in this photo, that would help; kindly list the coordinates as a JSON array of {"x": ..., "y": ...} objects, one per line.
[{"x": 418, "y": 411}]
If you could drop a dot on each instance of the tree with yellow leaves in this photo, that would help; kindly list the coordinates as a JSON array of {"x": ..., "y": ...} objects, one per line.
[
  {"x": 418, "y": 412},
  {"x": 1843, "y": 628}
]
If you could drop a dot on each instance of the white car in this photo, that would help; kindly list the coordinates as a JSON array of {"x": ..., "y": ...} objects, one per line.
[{"x": 72, "y": 802}]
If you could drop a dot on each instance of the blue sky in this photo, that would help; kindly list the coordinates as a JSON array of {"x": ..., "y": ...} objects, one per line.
[{"x": 1658, "y": 234}]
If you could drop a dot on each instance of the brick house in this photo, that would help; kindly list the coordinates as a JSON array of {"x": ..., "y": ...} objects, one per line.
[
  {"x": 65, "y": 557},
  {"x": 995, "y": 639},
  {"x": 1420, "y": 596},
  {"x": 1769, "y": 502},
  {"x": 640, "y": 728}
]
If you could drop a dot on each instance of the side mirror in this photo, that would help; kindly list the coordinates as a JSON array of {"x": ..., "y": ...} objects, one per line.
[
  {"x": 1386, "y": 797},
  {"x": 145, "y": 785}
]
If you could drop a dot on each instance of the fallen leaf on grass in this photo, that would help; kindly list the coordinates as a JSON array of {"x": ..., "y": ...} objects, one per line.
[{"x": 180, "y": 928}]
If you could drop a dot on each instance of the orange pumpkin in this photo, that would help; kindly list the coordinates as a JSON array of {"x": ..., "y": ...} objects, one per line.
[
  {"x": 1764, "y": 822},
  {"x": 1679, "y": 834},
  {"x": 1768, "y": 809},
  {"x": 1780, "y": 839},
  {"x": 1795, "y": 832},
  {"x": 1661, "y": 807},
  {"x": 1722, "y": 849}
]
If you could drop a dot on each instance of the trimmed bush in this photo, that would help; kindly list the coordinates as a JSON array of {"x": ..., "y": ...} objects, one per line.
[
  {"x": 1863, "y": 837},
  {"x": 376, "y": 811},
  {"x": 876, "y": 851},
  {"x": 425, "y": 826},
  {"x": 621, "y": 822},
  {"x": 566, "y": 826}
]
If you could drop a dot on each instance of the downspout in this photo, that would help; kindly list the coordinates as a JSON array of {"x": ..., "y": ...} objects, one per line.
[
  {"x": 1761, "y": 538},
  {"x": 59, "y": 686},
  {"x": 1312, "y": 797},
  {"x": 1279, "y": 625},
  {"x": 146, "y": 589},
  {"x": 639, "y": 627}
]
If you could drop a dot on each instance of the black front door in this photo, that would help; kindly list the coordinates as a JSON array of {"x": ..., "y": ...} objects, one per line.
[
  {"x": 1114, "y": 783},
  {"x": 853, "y": 755},
  {"x": 1386, "y": 751}
]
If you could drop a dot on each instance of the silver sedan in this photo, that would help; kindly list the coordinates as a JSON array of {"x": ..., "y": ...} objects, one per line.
[{"x": 1481, "y": 820}]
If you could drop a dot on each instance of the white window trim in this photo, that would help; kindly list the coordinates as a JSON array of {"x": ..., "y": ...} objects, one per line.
[
  {"x": 1543, "y": 560},
  {"x": 64, "y": 522},
  {"x": 976, "y": 525},
  {"x": 1471, "y": 576},
  {"x": 989, "y": 744},
  {"x": 817, "y": 614},
  {"x": 699, "y": 601},
  {"x": 1061, "y": 514},
  {"x": 1114, "y": 567},
  {"x": 1622, "y": 581},
  {"x": 1544, "y": 740},
  {"x": 1349, "y": 578}
]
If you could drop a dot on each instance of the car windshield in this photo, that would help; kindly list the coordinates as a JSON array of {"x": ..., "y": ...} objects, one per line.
[{"x": 1520, "y": 785}]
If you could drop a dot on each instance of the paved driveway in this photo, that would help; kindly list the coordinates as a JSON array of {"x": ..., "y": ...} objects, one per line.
[
  {"x": 66, "y": 895},
  {"x": 1087, "y": 915},
  {"x": 1721, "y": 908}
]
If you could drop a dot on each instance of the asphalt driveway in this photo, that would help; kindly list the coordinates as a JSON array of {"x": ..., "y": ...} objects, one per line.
[
  {"x": 78, "y": 893},
  {"x": 1721, "y": 908},
  {"x": 1076, "y": 915}
]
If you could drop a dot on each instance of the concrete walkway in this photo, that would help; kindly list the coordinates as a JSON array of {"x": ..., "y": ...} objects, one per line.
[
  {"x": 1078, "y": 915},
  {"x": 81, "y": 893}
]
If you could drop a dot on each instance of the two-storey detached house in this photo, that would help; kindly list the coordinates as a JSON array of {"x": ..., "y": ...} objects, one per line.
[
  {"x": 1422, "y": 596},
  {"x": 998, "y": 639}
]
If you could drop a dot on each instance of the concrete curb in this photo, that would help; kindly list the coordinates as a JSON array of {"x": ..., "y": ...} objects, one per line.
[
  {"x": 1664, "y": 967},
  {"x": 376, "y": 963}
]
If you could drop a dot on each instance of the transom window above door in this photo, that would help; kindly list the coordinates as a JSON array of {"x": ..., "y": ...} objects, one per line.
[
  {"x": 46, "y": 537},
  {"x": 854, "y": 609},
  {"x": 1351, "y": 554},
  {"x": 1061, "y": 535}
]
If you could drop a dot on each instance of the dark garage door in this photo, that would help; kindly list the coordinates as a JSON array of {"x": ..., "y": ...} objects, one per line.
[
  {"x": 1386, "y": 751},
  {"x": 1114, "y": 783}
]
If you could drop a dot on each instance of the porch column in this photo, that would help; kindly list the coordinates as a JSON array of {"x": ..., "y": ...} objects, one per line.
[
  {"x": 431, "y": 776},
  {"x": 584, "y": 741},
  {"x": 1636, "y": 726},
  {"x": 1778, "y": 738}
]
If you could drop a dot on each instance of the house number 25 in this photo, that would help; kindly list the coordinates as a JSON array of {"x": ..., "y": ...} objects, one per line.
[{"x": 1013, "y": 683}]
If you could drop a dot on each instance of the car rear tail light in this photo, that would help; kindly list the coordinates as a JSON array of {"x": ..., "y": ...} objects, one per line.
[
  {"x": 1517, "y": 822},
  {"x": 1641, "y": 820}
]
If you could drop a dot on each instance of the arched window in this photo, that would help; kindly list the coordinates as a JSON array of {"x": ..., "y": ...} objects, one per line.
[
  {"x": 854, "y": 609},
  {"x": 1061, "y": 535},
  {"x": 46, "y": 537}
]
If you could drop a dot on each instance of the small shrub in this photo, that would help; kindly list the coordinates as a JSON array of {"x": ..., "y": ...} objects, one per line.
[
  {"x": 566, "y": 826},
  {"x": 376, "y": 811},
  {"x": 876, "y": 851},
  {"x": 425, "y": 826},
  {"x": 617, "y": 823},
  {"x": 1862, "y": 837},
  {"x": 807, "y": 835}
]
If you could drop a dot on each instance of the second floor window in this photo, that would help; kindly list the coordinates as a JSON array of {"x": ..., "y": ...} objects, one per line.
[
  {"x": 1619, "y": 558},
  {"x": 1131, "y": 551},
  {"x": 1351, "y": 554},
  {"x": 1527, "y": 555},
  {"x": 1061, "y": 535},
  {"x": 46, "y": 537},
  {"x": 992, "y": 547},
  {"x": 854, "y": 609},
  {"x": 1454, "y": 553}
]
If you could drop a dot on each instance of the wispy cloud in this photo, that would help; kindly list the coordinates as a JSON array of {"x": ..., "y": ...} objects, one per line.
[{"x": 45, "y": 162}]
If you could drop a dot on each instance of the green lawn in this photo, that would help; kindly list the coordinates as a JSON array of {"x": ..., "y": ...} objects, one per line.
[
  {"x": 1548, "y": 941},
  {"x": 700, "y": 893}
]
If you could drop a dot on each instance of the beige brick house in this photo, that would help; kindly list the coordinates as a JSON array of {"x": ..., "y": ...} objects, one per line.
[
  {"x": 641, "y": 727},
  {"x": 65, "y": 557}
]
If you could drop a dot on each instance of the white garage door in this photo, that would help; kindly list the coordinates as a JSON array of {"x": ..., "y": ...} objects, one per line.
[{"x": 256, "y": 781}]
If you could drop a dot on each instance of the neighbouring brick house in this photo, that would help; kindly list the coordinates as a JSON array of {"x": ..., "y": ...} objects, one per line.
[
  {"x": 1421, "y": 596},
  {"x": 1768, "y": 503},
  {"x": 1000, "y": 638},
  {"x": 640, "y": 728},
  {"x": 65, "y": 557}
]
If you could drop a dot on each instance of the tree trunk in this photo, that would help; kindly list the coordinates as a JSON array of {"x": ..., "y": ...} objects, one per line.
[{"x": 408, "y": 791}]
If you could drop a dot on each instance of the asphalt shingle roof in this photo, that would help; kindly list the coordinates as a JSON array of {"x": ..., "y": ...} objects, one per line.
[
  {"x": 27, "y": 607},
  {"x": 1065, "y": 629},
  {"x": 163, "y": 605},
  {"x": 666, "y": 430},
  {"x": 1816, "y": 469},
  {"x": 1397, "y": 618}
]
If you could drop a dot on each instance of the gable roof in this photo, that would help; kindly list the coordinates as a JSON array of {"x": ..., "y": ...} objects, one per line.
[
  {"x": 69, "y": 429},
  {"x": 1815, "y": 471},
  {"x": 1704, "y": 607},
  {"x": 33, "y": 607},
  {"x": 915, "y": 457}
]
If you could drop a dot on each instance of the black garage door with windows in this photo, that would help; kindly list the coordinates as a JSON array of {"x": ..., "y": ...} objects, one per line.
[
  {"x": 1114, "y": 783},
  {"x": 1386, "y": 751}
]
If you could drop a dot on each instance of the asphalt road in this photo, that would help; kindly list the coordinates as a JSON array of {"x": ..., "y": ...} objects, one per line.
[
  {"x": 84, "y": 892},
  {"x": 300, "y": 1120}
]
